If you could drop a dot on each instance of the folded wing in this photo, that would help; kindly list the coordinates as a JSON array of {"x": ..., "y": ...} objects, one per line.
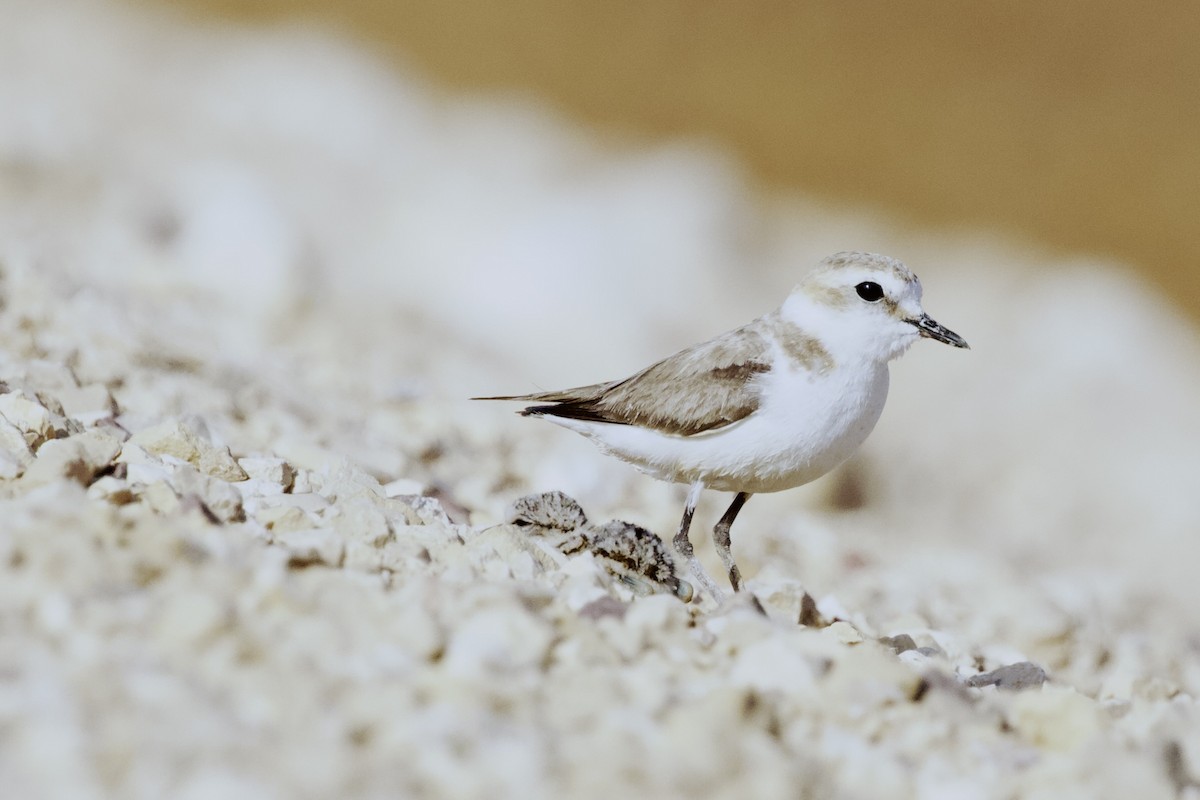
[{"x": 703, "y": 388}]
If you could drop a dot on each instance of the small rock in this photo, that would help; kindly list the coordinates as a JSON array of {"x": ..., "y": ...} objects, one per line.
[
  {"x": 343, "y": 480},
  {"x": 10, "y": 468},
  {"x": 269, "y": 470},
  {"x": 361, "y": 520},
  {"x": 160, "y": 497},
  {"x": 810, "y": 616},
  {"x": 361, "y": 557},
  {"x": 283, "y": 518},
  {"x": 783, "y": 598},
  {"x": 310, "y": 502},
  {"x": 78, "y": 457},
  {"x": 830, "y": 608},
  {"x": 313, "y": 546},
  {"x": 112, "y": 490},
  {"x": 303, "y": 484},
  {"x": 255, "y": 489},
  {"x": 1022, "y": 675},
  {"x": 844, "y": 632},
  {"x": 425, "y": 510},
  {"x": 49, "y": 376},
  {"x": 224, "y": 501},
  {"x": 88, "y": 404},
  {"x": 900, "y": 643},
  {"x": 145, "y": 472},
  {"x": 188, "y": 441},
  {"x": 14, "y": 447},
  {"x": 1056, "y": 718},
  {"x": 502, "y": 545},
  {"x": 219, "y": 463},
  {"x": 36, "y": 422}
]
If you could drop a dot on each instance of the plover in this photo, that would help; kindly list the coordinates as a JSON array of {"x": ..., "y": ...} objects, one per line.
[
  {"x": 630, "y": 553},
  {"x": 772, "y": 405}
]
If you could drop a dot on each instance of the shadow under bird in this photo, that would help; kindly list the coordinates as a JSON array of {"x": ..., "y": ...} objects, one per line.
[{"x": 769, "y": 406}]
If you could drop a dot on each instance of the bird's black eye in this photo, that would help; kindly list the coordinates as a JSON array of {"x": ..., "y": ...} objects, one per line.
[{"x": 870, "y": 291}]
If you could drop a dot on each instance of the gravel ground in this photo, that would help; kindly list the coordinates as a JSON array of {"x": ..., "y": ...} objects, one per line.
[{"x": 255, "y": 543}]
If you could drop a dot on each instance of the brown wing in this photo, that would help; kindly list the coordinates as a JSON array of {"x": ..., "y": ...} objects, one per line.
[{"x": 705, "y": 387}]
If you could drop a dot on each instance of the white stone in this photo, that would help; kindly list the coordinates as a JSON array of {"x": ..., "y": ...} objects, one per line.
[
  {"x": 224, "y": 501},
  {"x": 256, "y": 489},
  {"x": 775, "y": 663},
  {"x": 843, "y": 632},
  {"x": 88, "y": 404},
  {"x": 1056, "y": 718},
  {"x": 160, "y": 497},
  {"x": 13, "y": 444},
  {"x": 78, "y": 457},
  {"x": 283, "y": 518},
  {"x": 36, "y": 422},
  {"x": 269, "y": 470},
  {"x": 147, "y": 472},
  {"x": 113, "y": 490},
  {"x": 360, "y": 519},
  {"x": 313, "y": 546},
  {"x": 188, "y": 441},
  {"x": 10, "y": 467}
]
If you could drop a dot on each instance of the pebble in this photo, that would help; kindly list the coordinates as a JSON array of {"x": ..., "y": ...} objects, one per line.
[
  {"x": 188, "y": 441},
  {"x": 88, "y": 404},
  {"x": 79, "y": 458},
  {"x": 843, "y": 632},
  {"x": 1011, "y": 677},
  {"x": 15, "y": 449},
  {"x": 1057, "y": 718},
  {"x": 269, "y": 471},
  {"x": 313, "y": 546},
  {"x": 36, "y": 422}
]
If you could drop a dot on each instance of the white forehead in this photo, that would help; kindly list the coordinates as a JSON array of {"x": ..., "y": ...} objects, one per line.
[
  {"x": 850, "y": 262},
  {"x": 851, "y": 267}
]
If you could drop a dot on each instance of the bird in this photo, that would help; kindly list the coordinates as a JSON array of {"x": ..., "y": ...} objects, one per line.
[
  {"x": 766, "y": 407},
  {"x": 630, "y": 553}
]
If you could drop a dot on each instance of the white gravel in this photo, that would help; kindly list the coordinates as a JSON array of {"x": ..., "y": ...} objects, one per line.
[{"x": 251, "y": 534}]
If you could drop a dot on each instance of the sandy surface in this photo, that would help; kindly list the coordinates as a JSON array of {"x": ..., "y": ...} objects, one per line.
[{"x": 253, "y": 540}]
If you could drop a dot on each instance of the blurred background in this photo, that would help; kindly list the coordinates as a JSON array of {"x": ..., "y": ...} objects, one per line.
[{"x": 1074, "y": 124}]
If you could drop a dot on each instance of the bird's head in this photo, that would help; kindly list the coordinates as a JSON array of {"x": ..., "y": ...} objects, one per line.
[{"x": 865, "y": 304}]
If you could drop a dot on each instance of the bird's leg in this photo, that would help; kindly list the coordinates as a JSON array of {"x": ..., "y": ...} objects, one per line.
[
  {"x": 721, "y": 539},
  {"x": 683, "y": 545}
]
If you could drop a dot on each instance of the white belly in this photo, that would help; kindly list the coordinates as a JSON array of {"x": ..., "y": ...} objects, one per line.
[{"x": 807, "y": 424}]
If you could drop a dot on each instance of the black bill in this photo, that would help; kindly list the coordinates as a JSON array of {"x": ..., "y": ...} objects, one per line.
[{"x": 931, "y": 330}]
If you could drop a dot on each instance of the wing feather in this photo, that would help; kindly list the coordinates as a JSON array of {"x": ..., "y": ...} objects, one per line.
[{"x": 701, "y": 388}]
